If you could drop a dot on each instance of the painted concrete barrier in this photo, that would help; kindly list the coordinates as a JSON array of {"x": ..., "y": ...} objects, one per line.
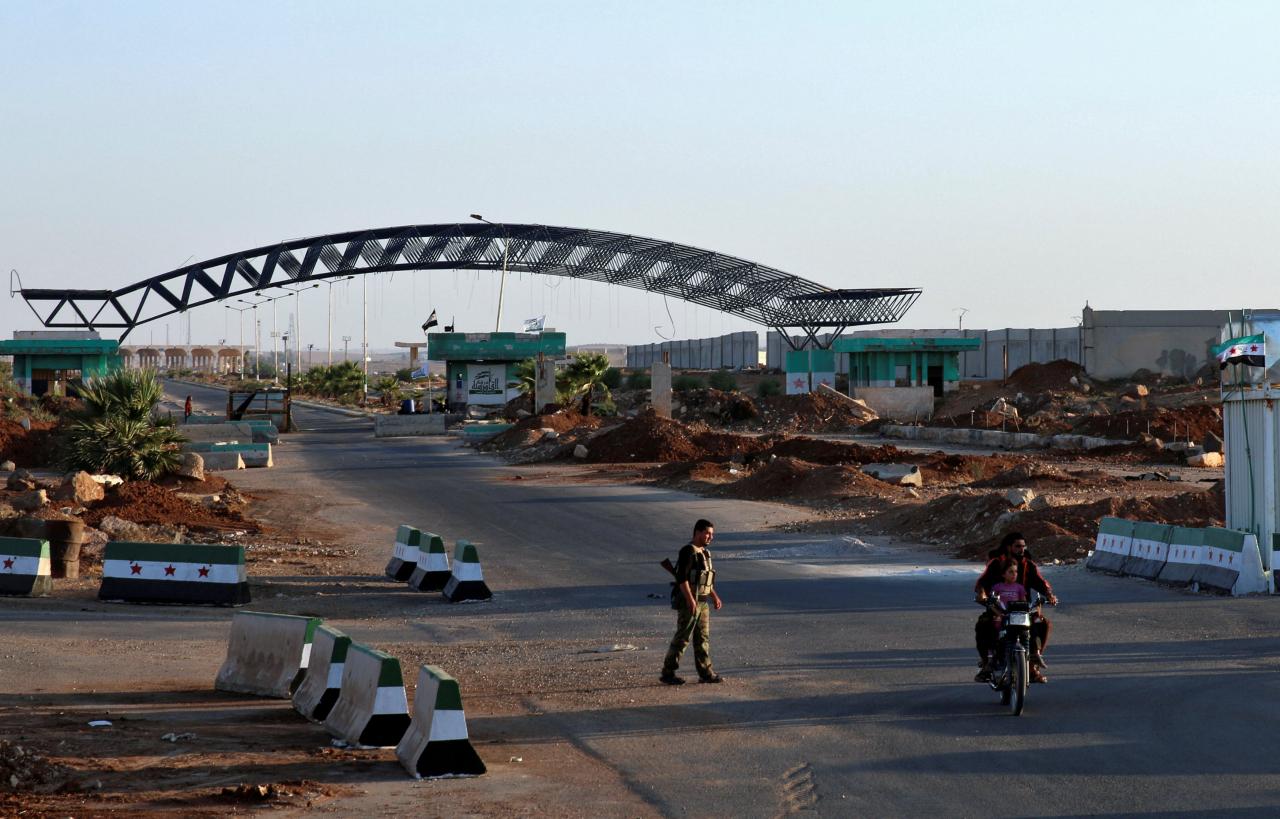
[
  {"x": 1149, "y": 550},
  {"x": 226, "y": 431},
  {"x": 174, "y": 573},
  {"x": 404, "y": 555},
  {"x": 1185, "y": 553},
  {"x": 253, "y": 455},
  {"x": 371, "y": 709},
  {"x": 432, "y": 572},
  {"x": 1230, "y": 562},
  {"x": 322, "y": 681},
  {"x": 466, "y": 582},
  {"x": 996, "y": 438},
  {"x": 267, "y": 654},
  {"x": 399, "y": 426},
  {"x": 222, "y": 461},
  {"x": 198, "y": 419},
  {"x": 437, "y": 743},
  {"x": 25, "y": 567},
  {"x": 1111, "y": 548}
]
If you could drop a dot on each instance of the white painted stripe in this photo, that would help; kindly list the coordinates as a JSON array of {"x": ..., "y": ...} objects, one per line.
[
  {"x": 435, "y": 562},
  {"x": 390, "y": 700},
  {"x": 407, "y": 553},
  {"x": 335, "y": 676},
  {"x": 467, "y": 571},
  {"x": 155, "y": 570},
  {"x": 446, "y": 725},
  {"x": 30, "y": 566},
  {"x": 306, "y": 655}
]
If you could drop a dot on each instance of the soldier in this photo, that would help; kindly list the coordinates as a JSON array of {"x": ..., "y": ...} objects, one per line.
[{"x": 694, "y": 589}]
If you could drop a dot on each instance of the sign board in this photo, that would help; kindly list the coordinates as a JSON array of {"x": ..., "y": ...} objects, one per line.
[{"x": 487, "y": 383}]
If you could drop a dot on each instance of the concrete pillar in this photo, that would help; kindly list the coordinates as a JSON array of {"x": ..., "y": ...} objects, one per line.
[
  {"x": 544, "y": 383},
  {"x": 660, "y": 388}
]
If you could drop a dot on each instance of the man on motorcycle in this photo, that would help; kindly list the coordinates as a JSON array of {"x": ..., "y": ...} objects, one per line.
[{"x": 1012, "y": 551}]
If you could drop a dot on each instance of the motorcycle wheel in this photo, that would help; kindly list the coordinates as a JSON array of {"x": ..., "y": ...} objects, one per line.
[{"x": 1017, "y": 683}]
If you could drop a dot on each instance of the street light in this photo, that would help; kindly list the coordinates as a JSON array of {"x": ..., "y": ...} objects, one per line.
[
  {"x": 345, "y": 340},
  {"x": 258, "y": 337},
  {"x": 506, "y": 245},
  {"x": 297, "y": 311},
  {"x": 330, "y": 344},
  {"x": 241, "y": 310}
]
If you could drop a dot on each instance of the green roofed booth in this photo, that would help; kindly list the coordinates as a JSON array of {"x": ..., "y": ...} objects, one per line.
[
  {"x": 43, "y": 363},
  {"x": 479, "y": 366},
  {"x": 905, "y": 362}
]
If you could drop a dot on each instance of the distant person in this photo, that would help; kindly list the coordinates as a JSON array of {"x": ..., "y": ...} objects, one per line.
[
  {"x": 693, "y": 595},
  {"x": 186, "y": 410}
]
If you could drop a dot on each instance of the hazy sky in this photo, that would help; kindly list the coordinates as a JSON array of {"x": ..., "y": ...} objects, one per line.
[{"x": 1015, "y": 159}]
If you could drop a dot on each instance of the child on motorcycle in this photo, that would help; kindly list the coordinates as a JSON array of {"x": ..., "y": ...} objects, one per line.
[{"x": 1008, "y": 590}]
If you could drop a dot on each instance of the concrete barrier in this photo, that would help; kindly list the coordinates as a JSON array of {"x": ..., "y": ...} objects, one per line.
[
  {"x": 371, "y": 709},
  {"x": 466, "y": 582},
  {"x": 267, "y": 654},
  {"x": 251, "y": 455},
  {"x": 1186, "y": 552},
  {"x": 175, "y": 573},
  {"x": 996, "y": 439},
  {"x": 222, "y": 461},
  {"x": 432, "y": 572},
  {"x": 1111, "y": 548},
  {"x": 404, "y": 556},
  {"x": 322, "y": 681},
  {"x": 1149, "y": 550},
  {"x": 1230, "y": 562},
  {"x": 437, "y": 743},
  {"x": 25, "y": 567},
  {"x": 399, "y": 426},
  {"x": 226, "y": 431}
]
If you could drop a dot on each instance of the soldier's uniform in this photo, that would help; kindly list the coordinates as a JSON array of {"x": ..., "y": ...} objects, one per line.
[{"x": 694, "y": 566}]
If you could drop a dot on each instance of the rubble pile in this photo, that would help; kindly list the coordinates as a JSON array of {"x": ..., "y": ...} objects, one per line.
[
  {"x": 22, "y": 770},
  {"x": 532, "y": 429},
  {"x": 712, "y": 406},
  {"x": 148, "y": 503},
  {"x": 799, "y": 480},
  {"x": 26, "y": 447},
  {"x": 648, "y": 438},
  {"x": 812, "y": 412}
]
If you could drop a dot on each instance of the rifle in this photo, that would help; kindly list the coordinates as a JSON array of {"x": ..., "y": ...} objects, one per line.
[{"x": 667, "y": 564}]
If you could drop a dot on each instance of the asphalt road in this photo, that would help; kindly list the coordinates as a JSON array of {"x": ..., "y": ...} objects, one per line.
[{"x": 849, "y": 688}]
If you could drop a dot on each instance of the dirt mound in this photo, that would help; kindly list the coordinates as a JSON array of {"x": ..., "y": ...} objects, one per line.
[
  {"x": 955, "y": 518},
  {"x": 529, "y": 430},
  {"x": 939, "y": 466},
  {"x": 813, "y": 412},
  {"x": 793, "y": 478},
  {"x": 145, "y": 502},
  {"x": 30, "y": 448},
  {"x": 1025, "y": 474},
  {"x": 647, "y": 438},
  {"x": 1036, "y": 377},
  {"x": 1167, "y": 424},
  {"x": 716, "y": 406},
  {"x": 23, "y": 770},
  {"x": 833, "y": 452}
]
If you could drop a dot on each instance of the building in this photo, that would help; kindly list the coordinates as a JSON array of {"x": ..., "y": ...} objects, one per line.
[
  {"x": 44, "y": 360},
  {"x": 480, "y": 366},
  {"x": 904, "y": 362}
]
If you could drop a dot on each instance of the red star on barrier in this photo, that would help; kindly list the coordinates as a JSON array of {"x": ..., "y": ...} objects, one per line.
[
  {"x": 1253, "y": 349},
  {"x": 169, "y": 570},
  {"x": 8, "y": 563},
  {"x": 798, "y": 383},
  {"x": 204, "y": 571},
  {"x": 135, "y": 568}
]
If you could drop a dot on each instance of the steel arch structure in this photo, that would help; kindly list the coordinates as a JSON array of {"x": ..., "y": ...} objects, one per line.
[{"x": 741, "y": 287}]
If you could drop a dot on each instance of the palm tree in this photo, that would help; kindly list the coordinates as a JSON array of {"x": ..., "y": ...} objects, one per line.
[
  {"x": 118, "y": 431},
  {"x": 585, "y": 376},
  {"x": 524, "y": 376}
]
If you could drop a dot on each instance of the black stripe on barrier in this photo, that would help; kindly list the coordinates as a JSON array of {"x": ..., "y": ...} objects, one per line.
[
  {"x": 174, "y": 592},
  {"x": 26, "y": 585},
  {"x": 448, "y": 757}
]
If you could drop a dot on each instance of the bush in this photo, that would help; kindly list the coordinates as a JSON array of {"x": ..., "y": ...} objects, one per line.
[
  {"x": 768, "y": 387},
  {"x": 723, "y": 380},
  {"x": 639, "y": 381},
  {"x": 684, "y": 383},
  {"x": 612, "y": 378},
  {"x": 404, "y": 374},
  {"x": 117, "y": 432}
]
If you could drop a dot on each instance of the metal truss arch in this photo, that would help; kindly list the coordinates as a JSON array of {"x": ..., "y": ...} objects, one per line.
[{"x": 753, "y": 291}]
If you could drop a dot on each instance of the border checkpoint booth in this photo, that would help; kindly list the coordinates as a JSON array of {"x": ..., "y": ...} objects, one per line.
[
  {"x": 45, "y": 360},
  {"x": 479, "y": 367}
]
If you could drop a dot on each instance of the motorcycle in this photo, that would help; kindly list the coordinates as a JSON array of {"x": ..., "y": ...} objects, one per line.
[{"x": 1011, "y": 669}]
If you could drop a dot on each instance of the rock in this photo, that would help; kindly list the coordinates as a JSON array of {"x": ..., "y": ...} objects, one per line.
[
  {"x": 1211, "y": 443},
  {"x": 108, "y": 480},
  {"x": 549, "y": 434},
  {"x": 1019, "y": 497},
  {"x": 1040, "y": 502},
  {"x": 1086, "y": 388},
  {"x": 81, "y": 488},
  {"x": 900, "y": 474},
  {"x": 580, "y": 452},
  {"x": 1212, "y": 460},
  {"x": 1073, "y": 381},
  {"x": 21, "y": 479},
  {"x": 1148, "y": 440},
  {"x": 25, "y": 423},
  {"x": 523, "y": 413},
  {"x": 8, "y": 466},
  {"x": 30, "y": 500},
  {"x": 192, "y": 466},
  {"x": 121, "y": 529},
  {"x": 1137, "y": 391}
]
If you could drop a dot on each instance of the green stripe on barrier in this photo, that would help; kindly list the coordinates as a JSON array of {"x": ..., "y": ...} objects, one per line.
[
  {"x": 1118, "y": 527},
  {"x": 1186, "y": 536},
  {"x": 389, "y": 671},
  {"x": 465, "y": 552},
  {"x": 1228, "y": 540},
  {"x": 181, "y": 552},
  {"x": 1157, "y": 532},
  {"x": 448, "y": 696},
  {"x": 409, "y": 536},
  {"x": 24, "y": 547},
  {"x": 435, "y": 544}
]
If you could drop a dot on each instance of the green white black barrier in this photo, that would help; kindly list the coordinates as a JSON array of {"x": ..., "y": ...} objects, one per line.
[
  {"x": 437, "y": 743},
  {"x": 1111, "y": 549},
  {"x": 1185, "y": 552},
  {"x": 1230, "y": 562},
  {"x": 404, "y": 558},
  {"x": 322, "y": 680},
  {"x": 432, "y": 572},
  {"x": 267, "y": 654},
  {"x": 175, "y": 573},
  {"x": 1213, "y": 558},
  {"x": 371, "y": 709},
  {"x": 1148, "y": 550},
  {"x": 25, "y": 567},
  {"x": 467, "y": 581}
]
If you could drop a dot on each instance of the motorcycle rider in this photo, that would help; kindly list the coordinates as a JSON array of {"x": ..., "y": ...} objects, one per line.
[{"x": 1012, "y": 551}]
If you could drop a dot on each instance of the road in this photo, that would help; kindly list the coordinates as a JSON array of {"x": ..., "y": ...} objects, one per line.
[{"x": 849, "y": 689}]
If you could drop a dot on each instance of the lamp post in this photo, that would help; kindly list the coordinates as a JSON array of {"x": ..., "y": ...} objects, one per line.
[
  {"x": 329, "y": 346},
  {"x": 506, "y": 246},
  {"x": 345, "y": 339},
  {"x": 297, "y": 312},
  {"x": 241, "y": 310},
  {"x": 257, "y": 345}
]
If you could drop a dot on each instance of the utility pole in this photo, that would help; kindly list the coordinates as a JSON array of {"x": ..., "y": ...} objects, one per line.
[
  {"x": 345, "y": 340},
  {"x": 364, "y": 335}
]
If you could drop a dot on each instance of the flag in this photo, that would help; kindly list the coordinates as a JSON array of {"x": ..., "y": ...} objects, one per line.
[
  {"x": 1248, "y": 350},
  {"x": 534, "y": 325},
  {"x": 430, "y": 322},
  {"x": 448, "y": 328}
]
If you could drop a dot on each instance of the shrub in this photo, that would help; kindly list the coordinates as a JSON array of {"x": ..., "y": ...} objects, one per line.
[
  {"x": 723, "y": 380},
  {"x": 768, "y": 387},
  {"x": 684, "y": 383},
  {"x": 404, "y": 374},
  {"x": 638, "y": 381},
  {"x": 612, "y": 378},
  {"x": 117, "y": 432}
]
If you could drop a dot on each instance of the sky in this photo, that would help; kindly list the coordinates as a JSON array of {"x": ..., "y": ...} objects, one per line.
[{"x": 1014, "y": 160}]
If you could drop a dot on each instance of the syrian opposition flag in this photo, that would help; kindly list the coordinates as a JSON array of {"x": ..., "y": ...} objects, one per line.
[
  {"x": 176, "y": 573},
  {"x": 1250, "y": 351},
  {"x": 430, "y": 322},
  {"x": 25, "y": 567}
]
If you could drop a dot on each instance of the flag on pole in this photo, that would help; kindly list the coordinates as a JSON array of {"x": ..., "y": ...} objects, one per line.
[
  {"x": 430, "y": 322},
  {"x": 448, "y": 328},
  {"x": 534, "y": 325},
  {"x": 1248, "y": 350}
]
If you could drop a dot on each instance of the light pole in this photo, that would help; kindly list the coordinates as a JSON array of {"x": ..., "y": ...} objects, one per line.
[
  {"x": 240, "y": 310},
  {"x": 329, "y": 346},
  {"x": 257, "y": 344},
  {"x": 961, "y": 311},
  {"x": 364, "y": 337},
  {"x": 506, "y": 246},
  {"x": 297, "y": 311},
  {"x": 345, "y": 339}
]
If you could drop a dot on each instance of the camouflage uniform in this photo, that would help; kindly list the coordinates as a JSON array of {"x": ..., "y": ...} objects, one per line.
[{"x": 694, "y": 565}]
